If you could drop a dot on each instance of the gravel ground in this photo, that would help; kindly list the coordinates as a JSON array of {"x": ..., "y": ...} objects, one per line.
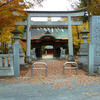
[{"x": 55, "y": 86}]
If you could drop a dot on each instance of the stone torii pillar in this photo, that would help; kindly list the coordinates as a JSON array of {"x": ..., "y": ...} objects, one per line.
[
  {"x": 70, "y": 41},
  {"x": 28, "y": 38}
]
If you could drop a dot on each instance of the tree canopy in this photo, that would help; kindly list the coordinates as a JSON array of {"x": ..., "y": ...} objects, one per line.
[
  {"x": 10, "y": 12},
  {"x": 93, "y": 6}
]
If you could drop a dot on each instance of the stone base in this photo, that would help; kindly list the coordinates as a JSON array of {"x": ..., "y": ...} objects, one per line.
[
  {"x": 71, "y": 58},
  {"x": 83, "y": 62},
  {"x": 63, "y": 57},
  {"x": 83, "y": 66},
  {"x": 83, "y": 57},
  {"x": 91, "y": 74},
  {"x": 28, "y": 59},
  {"x": 33, "y": 57},
  {"x": 6, "y": 72}
]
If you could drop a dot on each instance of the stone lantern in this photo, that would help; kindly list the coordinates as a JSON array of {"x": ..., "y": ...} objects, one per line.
[
  {"x": 16, "y": 33},
  {"x": 84, "y": 35},
  {"x": 16, "y": 37},
  {"x": 16, "y": 46},
  {"x": 83, "y": 52}
]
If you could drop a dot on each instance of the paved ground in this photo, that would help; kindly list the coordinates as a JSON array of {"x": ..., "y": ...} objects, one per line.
[
  {"x": 21, "y": 90},
  {"x": 53, "y": 87}
]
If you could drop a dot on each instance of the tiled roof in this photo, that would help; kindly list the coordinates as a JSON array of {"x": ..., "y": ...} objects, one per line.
[{"x": 36, "y": 34}]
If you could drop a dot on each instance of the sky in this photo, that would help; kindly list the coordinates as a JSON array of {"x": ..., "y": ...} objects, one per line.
[{"x": 56, "y": 5}]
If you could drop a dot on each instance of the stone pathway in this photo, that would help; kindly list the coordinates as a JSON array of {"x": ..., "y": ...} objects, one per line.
[
  {"x": 54, "y": 67},
  {"x": 55, "y": 86}
]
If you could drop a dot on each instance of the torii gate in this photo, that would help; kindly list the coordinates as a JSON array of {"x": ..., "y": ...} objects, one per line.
[{"x": 69, "y": 23}]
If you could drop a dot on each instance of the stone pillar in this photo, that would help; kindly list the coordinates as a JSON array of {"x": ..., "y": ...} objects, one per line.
[
  {"x": 28, "y": 44},
  {"x": 22, "y": 55},
  {"x": 70, "y": 40},
  {"x": 91, "y": 59},
  {"x": 16, "y": 61}
]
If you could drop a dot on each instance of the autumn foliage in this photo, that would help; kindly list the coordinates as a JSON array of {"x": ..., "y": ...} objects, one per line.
[
  {"x": 10, "y": 12},
  {"x": 93, "y": 6}
]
